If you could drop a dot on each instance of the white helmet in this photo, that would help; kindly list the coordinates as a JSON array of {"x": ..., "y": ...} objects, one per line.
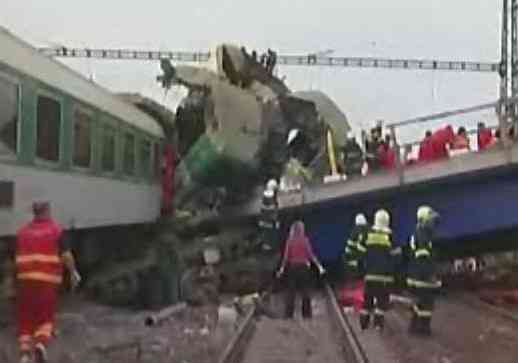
[
  {"x": 292, "y": 135},
  {"x": 271, "y": 185},
  {"x": 425, "y": 213},
  {"x": 350, "y": 135},
  {"x": 382, "y": 220},
  {"x": 360, "y": 220}
]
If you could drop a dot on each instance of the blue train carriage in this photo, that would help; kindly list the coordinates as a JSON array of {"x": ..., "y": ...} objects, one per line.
[{"x": 64, "y": 139}]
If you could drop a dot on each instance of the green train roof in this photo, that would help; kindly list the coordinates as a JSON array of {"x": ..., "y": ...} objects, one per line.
[{"x": 26, "y": 59}]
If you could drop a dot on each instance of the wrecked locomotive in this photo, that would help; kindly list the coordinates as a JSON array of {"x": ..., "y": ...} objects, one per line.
[{"x": 233, "y": 125}]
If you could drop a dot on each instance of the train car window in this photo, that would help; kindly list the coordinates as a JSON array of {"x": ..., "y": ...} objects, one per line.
[
  {"x": 108, "y": 149},
  {"x": 129, "y": 154},
  {"x": 9, "y": 106},
  {"x": 6, "y": 194},
  {"x": 145, "y": 158},
  {"x": 82, "y": 138},
  {"x": 48, "y": 128}
]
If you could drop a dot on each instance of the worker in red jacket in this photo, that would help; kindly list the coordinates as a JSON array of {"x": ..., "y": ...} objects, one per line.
[
  {"x": 426, "y": 150},
  {"x": 442, "y": 140},
  {"x": 41, "y": 254},
  {"x": 296, "y": 262},
  {"x": 485, "y": 138},
  {"x": 387, "y": 154}
]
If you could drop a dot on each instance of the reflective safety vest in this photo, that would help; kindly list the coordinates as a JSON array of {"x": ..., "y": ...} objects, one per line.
[
  {"x": 421, "y": 265},
  {"x": 421, "y": 250},
  {"x": 355, "y": 246},
  {"x": 38, "y": 252},
  {"x": 379, "y": 256}
]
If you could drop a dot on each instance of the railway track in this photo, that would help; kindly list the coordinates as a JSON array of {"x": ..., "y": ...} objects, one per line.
[
  {"x": 465, "y": 330},
  {"x": 328, "y": 337}
]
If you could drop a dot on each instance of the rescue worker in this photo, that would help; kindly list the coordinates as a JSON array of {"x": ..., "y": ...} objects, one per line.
[
  {"x": 372, "y": 145},
  {"x": 421, "y": 271},
  {"x": 352, "y": 156},
  {"x": 426, "y": 150},
  {"x": 442, "y": 140},
  {"x": 387, "y": 153},
  {"x": 378, "y": 260},
  {"x": 41, "y": 254},
  {"x": 461, "y": 143},
  {"x": 269, "y": 221},
  {"x": 354, "y": 247},
  {"x": 485, "y": 138},
  {"x": 296, "y": 262}
]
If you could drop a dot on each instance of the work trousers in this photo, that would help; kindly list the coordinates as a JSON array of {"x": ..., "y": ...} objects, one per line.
[
  {"x": 351, "y": 272},
  {"x": 36, "y": 309},
  {"x": 299, "y": 281},
  {"x": 422, "y": 311},
  {"x": 376, "y": 301},
  {"x": 269, "y": 238}
]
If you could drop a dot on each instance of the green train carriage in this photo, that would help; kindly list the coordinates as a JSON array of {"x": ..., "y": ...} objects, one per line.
[{"x": 94, "y": 156}]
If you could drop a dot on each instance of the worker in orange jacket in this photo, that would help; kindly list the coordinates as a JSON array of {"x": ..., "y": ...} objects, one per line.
[{"x": 41, "y": 255}]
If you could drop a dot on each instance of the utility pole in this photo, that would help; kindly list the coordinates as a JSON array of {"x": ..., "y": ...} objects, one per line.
[
  {"x": 514, "y": 59},
  {"x": 504, "y": 83}
]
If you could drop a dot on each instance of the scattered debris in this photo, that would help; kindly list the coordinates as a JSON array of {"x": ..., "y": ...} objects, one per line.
[{"x": 165, "y": 314}]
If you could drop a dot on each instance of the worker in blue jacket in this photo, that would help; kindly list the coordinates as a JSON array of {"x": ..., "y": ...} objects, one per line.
[
  {"x": 354, "y": 248},
  {"x": 378, "y": 260},
  {"x": 269, "y": 219},
  {"x": 421, "y": 278}
]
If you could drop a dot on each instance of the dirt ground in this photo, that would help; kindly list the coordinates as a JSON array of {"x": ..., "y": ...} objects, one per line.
[
  {"x": 91, "y": 333},
  {"x": 461, "y": 334}
]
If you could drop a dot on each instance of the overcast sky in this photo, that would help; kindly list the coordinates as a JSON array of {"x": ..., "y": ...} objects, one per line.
[{"x": 442, "y": 29}]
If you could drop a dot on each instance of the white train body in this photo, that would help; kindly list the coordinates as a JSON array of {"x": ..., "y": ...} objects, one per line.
[{"x": 67, "y": 140}]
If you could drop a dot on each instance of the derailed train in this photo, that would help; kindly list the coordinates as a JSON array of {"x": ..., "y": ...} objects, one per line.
[{"x": 98, "y": 158}]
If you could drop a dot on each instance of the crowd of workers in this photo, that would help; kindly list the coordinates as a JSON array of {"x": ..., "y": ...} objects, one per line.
[
  {"x": 369, "y": 254},
  {"x": 380, "y": 152}
]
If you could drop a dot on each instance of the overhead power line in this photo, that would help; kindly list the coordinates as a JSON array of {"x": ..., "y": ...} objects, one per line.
[{"x": 283, "y": 60}]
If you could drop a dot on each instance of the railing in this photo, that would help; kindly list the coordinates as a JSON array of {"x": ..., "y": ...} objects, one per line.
[{"x": 500, "y": 106}]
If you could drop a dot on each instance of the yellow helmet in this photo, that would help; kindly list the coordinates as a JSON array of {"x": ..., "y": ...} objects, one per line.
[{"x": 425, "y": 213}]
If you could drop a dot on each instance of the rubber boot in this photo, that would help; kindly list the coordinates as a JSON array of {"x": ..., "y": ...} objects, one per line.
[
  {"x": 40, "y": 354},
  {"x": 426, "y": 327},
  {"x": 365, "y": 320},
  {"x": 413, "y": 327},
  {"x": 307, "y": 312},
  {"x": 289, "y": 306},
  {"x": 379, "y": 321}
]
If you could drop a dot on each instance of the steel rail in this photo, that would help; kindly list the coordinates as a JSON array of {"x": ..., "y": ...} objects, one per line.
[{"x": 350, "y": 345}]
